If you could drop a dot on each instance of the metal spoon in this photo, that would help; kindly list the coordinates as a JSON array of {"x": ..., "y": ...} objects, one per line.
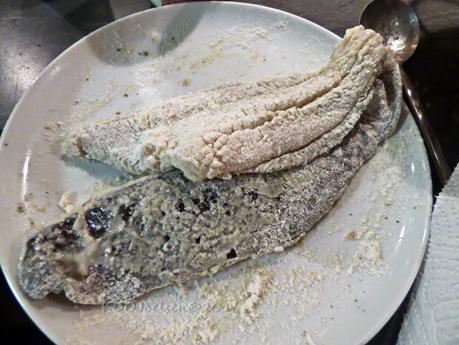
[{"x": 398, "y": 24}]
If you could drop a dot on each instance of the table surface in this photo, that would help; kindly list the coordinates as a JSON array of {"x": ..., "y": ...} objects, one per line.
[{"x": 34, "y": 32}]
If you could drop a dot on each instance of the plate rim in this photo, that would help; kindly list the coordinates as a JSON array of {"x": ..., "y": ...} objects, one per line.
[{"x": 396, "y": 302}]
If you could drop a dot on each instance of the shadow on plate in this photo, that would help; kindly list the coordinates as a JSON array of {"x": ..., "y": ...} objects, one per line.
[
  {"x": 95, "y": 169},
  {"x": 150, "y": 34}
]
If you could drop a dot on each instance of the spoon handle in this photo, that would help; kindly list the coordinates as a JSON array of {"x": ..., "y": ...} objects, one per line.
[{"x": 430, "y": 140}]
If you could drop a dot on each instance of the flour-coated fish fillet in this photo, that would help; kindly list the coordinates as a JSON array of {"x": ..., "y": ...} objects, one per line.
[{"x": 242, "y": 127}]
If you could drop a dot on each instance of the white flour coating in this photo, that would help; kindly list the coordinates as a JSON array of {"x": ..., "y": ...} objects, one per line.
[
  {"x": 208, "y": 144},
  {"x": 67, "y": 202},
  {"x": 237, "y": 127}
]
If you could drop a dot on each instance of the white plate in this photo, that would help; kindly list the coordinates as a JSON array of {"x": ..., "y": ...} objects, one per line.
[{"x": 314, "y": 296}]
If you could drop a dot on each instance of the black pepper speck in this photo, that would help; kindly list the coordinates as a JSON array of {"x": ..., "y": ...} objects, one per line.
[
  {"x": 231, "y": 254},
  {"x": 180, "y": 207},
  {"x": 97, "y": 221}
]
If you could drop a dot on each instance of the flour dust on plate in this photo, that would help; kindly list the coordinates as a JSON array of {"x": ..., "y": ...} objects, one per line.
[{"x": 342, "y": 282}]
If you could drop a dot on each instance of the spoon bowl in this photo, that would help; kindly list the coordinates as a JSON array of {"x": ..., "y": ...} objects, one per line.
[
  {"x": 399, "y": 25},
  {"x": 396, "y": 22}
]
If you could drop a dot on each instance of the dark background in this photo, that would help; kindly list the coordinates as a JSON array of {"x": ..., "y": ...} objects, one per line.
[{"x": 34, "y": 32}]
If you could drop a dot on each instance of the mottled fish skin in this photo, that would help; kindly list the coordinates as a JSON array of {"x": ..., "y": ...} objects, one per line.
[
  {"x": 241, "y": 127},
  {"x": 160, "y": 230}
]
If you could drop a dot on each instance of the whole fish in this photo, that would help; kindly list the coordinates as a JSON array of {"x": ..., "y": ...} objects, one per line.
[{"x": 164, "y": 229}]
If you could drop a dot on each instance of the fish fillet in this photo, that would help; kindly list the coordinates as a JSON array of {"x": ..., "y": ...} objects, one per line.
[
  {"x": 242, "y": 127},
  {"x": 165, "y": 229}
]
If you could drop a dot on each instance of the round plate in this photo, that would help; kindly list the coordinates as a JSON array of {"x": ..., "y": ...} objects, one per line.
[{"x": 343, "y": 281}]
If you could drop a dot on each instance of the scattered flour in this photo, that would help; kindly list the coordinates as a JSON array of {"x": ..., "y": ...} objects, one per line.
[
  {"x": 219, "y": 309},
  {"x": 254, "y": 294},
  {"x": 368, "y": 257},
  {"x": 67, "y": 202}
]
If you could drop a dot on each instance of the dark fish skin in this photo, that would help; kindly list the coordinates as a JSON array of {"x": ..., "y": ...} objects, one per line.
[{"x": 160, "y": 230}]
